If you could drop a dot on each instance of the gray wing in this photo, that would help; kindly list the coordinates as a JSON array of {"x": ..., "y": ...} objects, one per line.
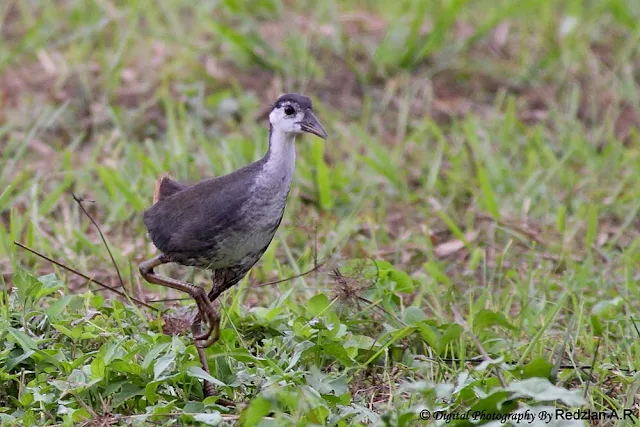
[{"x": 196, "y": 219}]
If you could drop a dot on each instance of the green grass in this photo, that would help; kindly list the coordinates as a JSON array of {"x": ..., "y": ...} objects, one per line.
[{"x": 476, "y": 206}]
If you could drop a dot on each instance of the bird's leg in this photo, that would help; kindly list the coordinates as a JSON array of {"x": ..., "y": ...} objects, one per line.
[
  {"x": 219, "y": 285},
  {"x": 196, "y": 329},
  {"x": 206, "y": 308},
  {"x": 214, "y": 327},
  {"x": 212, "y": 337},
  {"x": 223, "y": 280},
  {"x": 208, "y": 388}
]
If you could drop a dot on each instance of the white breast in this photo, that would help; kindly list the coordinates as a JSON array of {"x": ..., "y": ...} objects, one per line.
[{"x": 269, "y": 193}]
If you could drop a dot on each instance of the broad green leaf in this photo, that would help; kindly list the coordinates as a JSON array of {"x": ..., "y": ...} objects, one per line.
[
  {"x": 318, "y": 304},
  {"x": 127, "y": 391},
  {"x": 154, "y": 353},
  {"x": 427, "y": 334},
  {"x": 451, "y": 333},
  {"x": 258, "y": 409},
  {"x": 55, "y": 310},
  {"x": 194, "y": 407},
  {"x": 63, "y": 329},
  {"x": 327, "y": 384},
  {"x": 128, "y": 366},
  {"x": 486, "y": 319},
  {"x": 26, "y": 285},
  {"x": 542, "y": 390},
  {"x": 198, "y": 372},
  {"x": 212, "y": 419},
  {"x": 297, "y": 352},
  {"x": 150, "y": 391},
  {"x": 23, "y": 339},
  {"x": 97, "y": 367},
  {"x": 414, "y": 315},
  {"x": 335, "y": 350},
  {"x": 538, "y": 367},
  {"x": 162, "y": 364},
  {"x": 403, "y": 283},
  {"x": 361, "y": 342},
  {"x": 495, "y": 403},
  {"x": 15, "y": 361}
]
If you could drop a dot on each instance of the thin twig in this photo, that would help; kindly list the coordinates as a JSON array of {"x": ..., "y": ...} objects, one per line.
[
  {"x": 275, "y": 282},
  {"x": 226, "y": 417},
  {"x": 84, "y": 276},
  {"x": 352, "y": 292},
  {"x": 84, "y": 405},
  {"x": 593, "y": 364},
  {"x": 561, "y": 349},
  {"x": 514, "y": 364},
  {"x": 384, "y": 310},
  {"x": 79, "y": 200},
  {"x": 317, "y": 267},
  {"x": 170, "y": 299},
  {"x": 315, "y": 245}
]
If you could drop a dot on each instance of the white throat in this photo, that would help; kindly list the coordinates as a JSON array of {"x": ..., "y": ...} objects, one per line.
[{"x": 281, "y": 161}]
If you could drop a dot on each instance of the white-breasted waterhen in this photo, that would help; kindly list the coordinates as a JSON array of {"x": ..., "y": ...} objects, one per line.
[{"x": 225, "y": 224}]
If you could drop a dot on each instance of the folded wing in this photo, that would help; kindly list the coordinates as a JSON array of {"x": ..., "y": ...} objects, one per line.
[{"x": 188, "y": 221}]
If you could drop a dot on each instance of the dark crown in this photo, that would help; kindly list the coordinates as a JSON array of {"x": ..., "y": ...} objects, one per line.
[{"x": 302, "y": 101}]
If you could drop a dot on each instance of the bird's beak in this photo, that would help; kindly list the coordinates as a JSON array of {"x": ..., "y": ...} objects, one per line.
[{"x": 310, "y": 124}]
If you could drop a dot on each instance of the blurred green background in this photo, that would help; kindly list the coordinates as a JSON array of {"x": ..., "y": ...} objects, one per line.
[{"x": 476, "y": 208}]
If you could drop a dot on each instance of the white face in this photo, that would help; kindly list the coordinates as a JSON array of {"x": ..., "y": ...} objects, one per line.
[{"x": 287, "y": 118}]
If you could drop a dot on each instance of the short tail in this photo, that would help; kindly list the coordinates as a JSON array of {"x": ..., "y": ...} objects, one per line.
[{"x": 165, "y": 187}]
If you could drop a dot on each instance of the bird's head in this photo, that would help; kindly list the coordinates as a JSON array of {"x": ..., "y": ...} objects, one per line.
[{"x": 293, "y": 114}]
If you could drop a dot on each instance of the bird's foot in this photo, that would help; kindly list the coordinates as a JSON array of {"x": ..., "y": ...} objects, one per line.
[
  {"x": 209, "y": 390},
  {"x": 209, "y": 313}
]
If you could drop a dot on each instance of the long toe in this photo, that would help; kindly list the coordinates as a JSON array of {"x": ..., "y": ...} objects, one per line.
[
  {"x": 212, "y": 334},
  {"x": 208, "y": 389},
  {"x": 204, "y": 335},
  {"x": 208, "y": 343},
  {"x": 207, "y": 312},
  {"x": 196, "y": 328},
  {"x": 210, "y": 313}
]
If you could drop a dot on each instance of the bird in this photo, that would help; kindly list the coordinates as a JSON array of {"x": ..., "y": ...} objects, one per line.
[{"x": 225, "y": 224}]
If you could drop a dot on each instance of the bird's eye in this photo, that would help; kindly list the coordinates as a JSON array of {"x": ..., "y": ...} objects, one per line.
[{"x": 289, "y": 110}]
